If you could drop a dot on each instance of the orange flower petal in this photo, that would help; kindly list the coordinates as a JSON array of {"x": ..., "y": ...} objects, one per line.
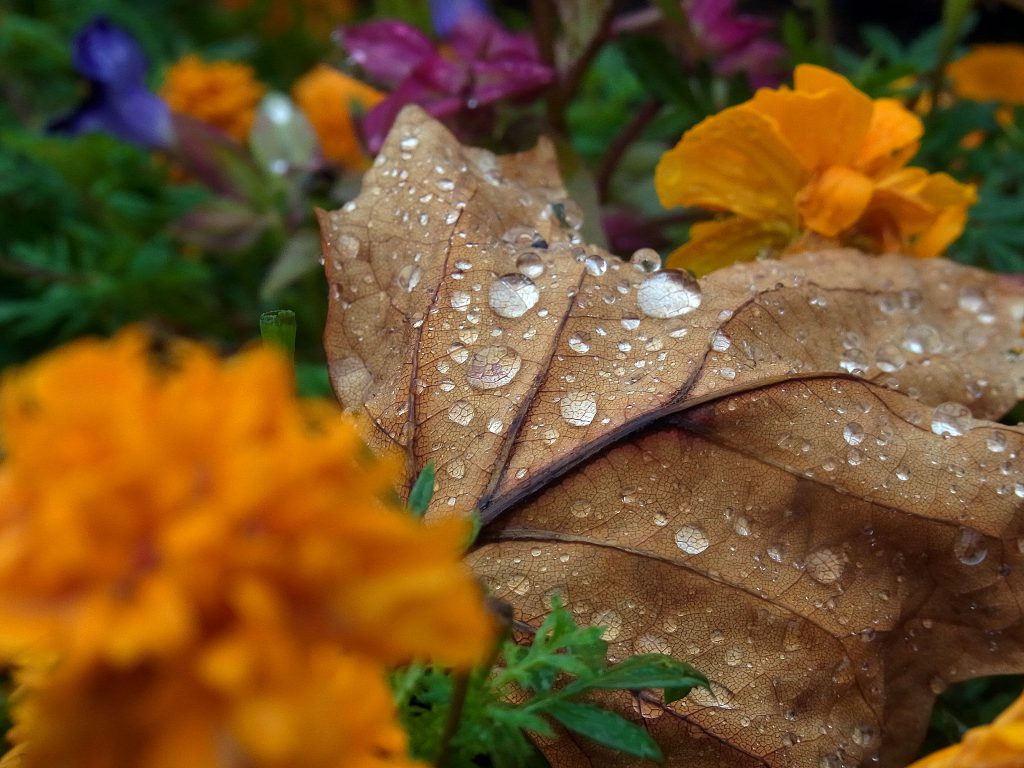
[
  {"x": 717, "y": 244},
  {"x": 327, "y": 97},
  {"x": 824, "y": 121},
  {"x": 990, "y": 73},
  {"x": 834, "y": 200},
  {"x": 999, "y": 745},
  {"x": 734, "y": 161},
  {"x": 892, "y": 139}
]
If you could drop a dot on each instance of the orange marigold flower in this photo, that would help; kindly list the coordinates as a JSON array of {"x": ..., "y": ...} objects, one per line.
[
  {"x": 999, "y": 745},
  {"x": 993, "y": 72},
  {"x": 327, "y": 96},
  {"x": 223, "y": 94},
  {"x": 823, "y": 159},
  {"x": 192, "y": 560}
]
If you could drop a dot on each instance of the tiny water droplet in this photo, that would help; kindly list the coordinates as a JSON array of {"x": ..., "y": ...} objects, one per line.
[
  {"x": 646, "y": 260},
  {"x": 579, "y": 342},
  {"x": 853, "y": 433},
  {"x": 595, "y": 265},
  {"x": 825, "y": 565},
  {"x": 513, "y": 295},
  {"x": 409, "y": 277}
]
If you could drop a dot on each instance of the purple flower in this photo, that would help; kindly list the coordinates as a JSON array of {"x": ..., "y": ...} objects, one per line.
[
  {"x": 479, "y": 63},
  {"x": 119, "y": 102},
  {"x": 736, "y": 41},
  {"x": 445, "y": 15}
]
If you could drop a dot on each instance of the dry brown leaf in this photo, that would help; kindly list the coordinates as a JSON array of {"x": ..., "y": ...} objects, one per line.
[{"x": 763, "y": 474}]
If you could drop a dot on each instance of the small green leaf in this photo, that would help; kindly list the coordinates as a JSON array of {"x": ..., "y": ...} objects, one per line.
[
  {"x": 277, "y": 327},
  {"x": 422, "y": 491},
  {"x": 605, "y": 728}
]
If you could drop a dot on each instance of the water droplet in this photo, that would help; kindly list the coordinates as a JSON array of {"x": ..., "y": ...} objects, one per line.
[
  {"x": 691, "y": 540},
  {"x": 579, "y": 342},
  {"x": 922, "y": 339},
  {"x": 513, "y": 295},
  {"x": 853, "y": 433},
  {"x": 970, "y": 547},
  {"x": 580, "y": 508},
  {"x": 669, "y": 293},
  {"x": 936, "y": 684},
  {"x": 409, "y": 277},
  {"x": 972, "y": 300},
  {"x": 902, "y": 473},
  {"x": 460, "y": 300},
  {"x": 741, "y": 525},
  {"x": 854, "y": 360},
  {"x": 996, "y": 441},
  {"x": 595, "y": 265},
  {"x": 631, "y": 322},
  {"x": 612, "y": 623},
  {"x": 951, "y": 419},
  {"x": 579, "y": 408},
  {"x": 825, "y": 565},
  {"x": 461, "y": 412},
  {"x": 660, "y": 520},
  {"x": 646, "y": 260},
  {"x": 889, "y": 358},
  {"x": 530, "y": 264},
  {"x": 445, "y": 185},
  {"x": 493, "y": 367},
  {"x": 519, "y": 584},
  {"x": 347, "y": 247},
  {"x": 550, "y": 436},
  {"x": 456, "y": 469},
  {"x": 458, "y": 352},
  {"x": 409, "y": 143},
  {"x": 720, "y": 342},
  {"x": 495, "y": 425}
]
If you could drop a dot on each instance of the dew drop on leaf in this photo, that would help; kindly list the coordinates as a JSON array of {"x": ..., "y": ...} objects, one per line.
[
  {"x": 513, "y": 295},
  {"x": 825, "y": 565},
  {"x": 579, "y": 342},
  {"x": 691, "y": 540},
  {"x": 853, "y": 433},
  {"x": 669, "y": 293},
  {"x": 951, "y": 419},
  {"x": 493, "y": 367},
  {"x": 579, "y": 408},
  {"x": 530, "y": 264},
  {"x": 646, "y": 260},
  {"x": 461, "y": 412},
  {"x": 409, "y": 277},
  {"x": 595, "y": 265},
  {"x": 970, "y": 547}
]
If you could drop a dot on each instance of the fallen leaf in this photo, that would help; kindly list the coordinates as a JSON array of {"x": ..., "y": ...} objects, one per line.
[{"x": 772, "y": 473}]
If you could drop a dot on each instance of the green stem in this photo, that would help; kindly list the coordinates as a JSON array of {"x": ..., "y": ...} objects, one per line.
[{"x": 954, "y": 14}]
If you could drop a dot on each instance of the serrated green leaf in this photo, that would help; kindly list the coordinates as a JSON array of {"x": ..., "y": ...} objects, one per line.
[
  {"x": 605, "y": 728},
  {"x": 651, "y": 670}
]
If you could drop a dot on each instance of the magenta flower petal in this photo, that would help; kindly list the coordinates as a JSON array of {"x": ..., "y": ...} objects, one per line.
[
  {"x": 735, "y": 42},
  {"x": 388, "y": 51}
]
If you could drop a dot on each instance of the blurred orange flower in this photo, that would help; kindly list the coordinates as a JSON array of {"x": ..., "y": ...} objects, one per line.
[
  {"x": 319, "y": 17},
  {"x": 223, "y": 94},
  {"x": 822, "y": 159},
  {"x": 993, "y": 72},
  {"x": 999, "y": 745},
  {"x": 327, "y": 97},
  {"x": 194, "y": 563}
]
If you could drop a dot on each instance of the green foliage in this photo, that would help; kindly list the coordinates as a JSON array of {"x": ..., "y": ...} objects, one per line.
[
  {"x": 422, "y": 490},
  {"x": 484, "y": 718}
]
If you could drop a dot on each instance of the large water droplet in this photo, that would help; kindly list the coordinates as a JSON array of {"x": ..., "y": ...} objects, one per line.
[
  {"x": 461, "y": 412},
  {"x": 513, "y": 295},
  {"x": 493, "y": 367},
  {"x": 669, "y": 293},
  {"x": 612, "y": 623},
  {"x": 951, "y": 419},
  {"x": 996, "y": 441},
  {"x": 579, "y": 408},
  {"x": 691, "y": 540},
  {"x": 825, "y": 565},
  {"x": 720, "y": 342},
  {"x": 461, "y": 300},
  {"x": 889, "y": 358},
  {"x": 530, "y": 264},
  {"x": 970, "y": 547}
]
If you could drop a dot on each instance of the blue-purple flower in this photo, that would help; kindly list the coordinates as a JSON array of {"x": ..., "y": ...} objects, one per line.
[
  {"x": 478, "y": 63},
  {"x": 119, "y": 102}
]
